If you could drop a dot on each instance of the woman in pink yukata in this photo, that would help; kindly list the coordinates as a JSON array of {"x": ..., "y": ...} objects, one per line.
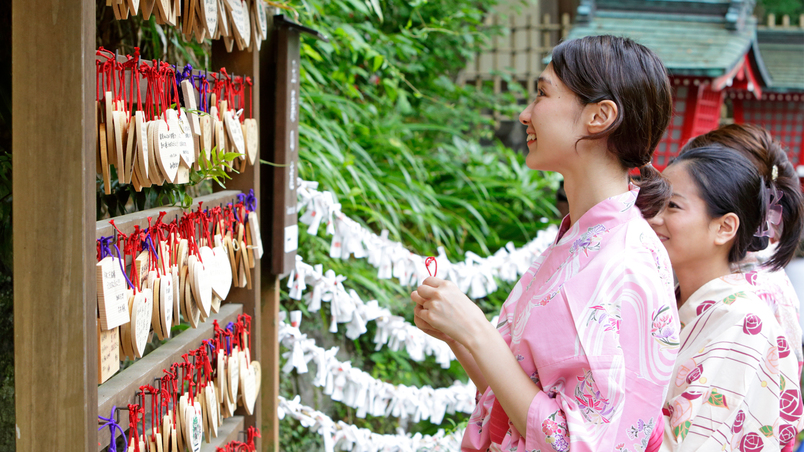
[
  {"x": 736, "y": 382},
  {"x": 765, "y": 267},
  {"x": 584, "y": 349}
]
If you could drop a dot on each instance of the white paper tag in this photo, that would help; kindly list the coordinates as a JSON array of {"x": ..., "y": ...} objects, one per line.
[{"x": 291, "y": 238}]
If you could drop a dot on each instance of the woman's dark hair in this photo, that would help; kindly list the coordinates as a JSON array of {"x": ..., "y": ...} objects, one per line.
[
  {"x": 598, "y": 68},
  {"x": 728, "y": 182},
  {"x": 757, "y": 144}
]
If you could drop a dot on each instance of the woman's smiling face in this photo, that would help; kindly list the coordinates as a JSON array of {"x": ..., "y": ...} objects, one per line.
[
  {"x": 685, "y": 227},
  {"x": 553, "y": 123}
]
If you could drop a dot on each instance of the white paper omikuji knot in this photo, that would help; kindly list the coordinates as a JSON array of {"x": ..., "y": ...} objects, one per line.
[{"x": 342, "y": 436}]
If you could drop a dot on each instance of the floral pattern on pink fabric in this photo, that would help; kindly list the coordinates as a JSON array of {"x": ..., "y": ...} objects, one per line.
[
  {"x": 663, "y": 329},
  {"x": 589, "y": 240},
  {"x": 556, "y": 432},
  {"x": 595, "y": 408}
]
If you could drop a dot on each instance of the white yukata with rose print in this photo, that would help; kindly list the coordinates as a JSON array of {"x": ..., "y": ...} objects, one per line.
[
  {"x": 736, "y": 384},
  {"x": 593, "y": 322}
]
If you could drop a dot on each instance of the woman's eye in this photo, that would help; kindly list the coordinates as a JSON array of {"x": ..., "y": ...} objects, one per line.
[
  {"x": 541, "y": 92},
  {"x": 672, "y": 205}
]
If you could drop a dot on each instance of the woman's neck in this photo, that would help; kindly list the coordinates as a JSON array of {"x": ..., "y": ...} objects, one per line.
[
  {"x": 592, "y": 183},
  {"x": 692, "y": 277}
]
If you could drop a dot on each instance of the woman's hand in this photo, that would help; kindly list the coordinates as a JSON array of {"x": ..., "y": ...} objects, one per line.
[
  {"x": 427, "y": 328},
  {"x": 442, "y": 307}
]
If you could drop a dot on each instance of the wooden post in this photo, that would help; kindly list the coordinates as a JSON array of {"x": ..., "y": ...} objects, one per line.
[
  {"x": 244, "y": 63},
  {"x": 269, "y": 313},
  {"x": 54, "y": 216},
  {"x": 566, "y": 25}
]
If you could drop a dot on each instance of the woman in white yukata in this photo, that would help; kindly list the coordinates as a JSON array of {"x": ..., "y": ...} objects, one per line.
[
  {"x": 771, "y": 283},
  {"x": 584, "y": 349},
  {"x": 736, "y": 383}
]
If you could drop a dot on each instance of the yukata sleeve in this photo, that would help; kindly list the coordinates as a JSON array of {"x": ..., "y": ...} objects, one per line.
[
  {"x": 578, "y": 417},
  {"x": 740, "y": 392},
  {"x": 608, "y": 395}
]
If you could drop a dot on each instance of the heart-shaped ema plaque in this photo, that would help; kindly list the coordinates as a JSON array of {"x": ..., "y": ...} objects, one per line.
[
  {"x": 222, "y": 277},
  {"x": 170, "y": 141},
  {"x": 141, "y": 319},
  {"x": 166, "y": 303},
  {"x": 194, "y": 429},
  {"x": 235, "y": 131},
  {"x": 252, "y": 140},
  {"x": 201, "y": 280},
  {"x": 233, "y": 369},
  {"x": 248, "y": 382},
  {"x": 212, "y": 409},
  {"x": 241, "y": 19},
  {"x": 187, "y": 145},
  {"x": 209, "y": 8}
]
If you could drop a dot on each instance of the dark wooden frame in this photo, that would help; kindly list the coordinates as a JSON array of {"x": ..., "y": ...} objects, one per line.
[{"x": 57, "y": 396}]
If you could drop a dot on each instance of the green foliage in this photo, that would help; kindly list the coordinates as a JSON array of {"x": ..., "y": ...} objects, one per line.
[
  {"x": 792, "y": 8},
  {"x": 384, "y": 125}
]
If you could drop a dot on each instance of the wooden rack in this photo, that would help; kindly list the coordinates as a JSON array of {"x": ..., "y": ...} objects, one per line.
[{"x": 57, "y": 396}]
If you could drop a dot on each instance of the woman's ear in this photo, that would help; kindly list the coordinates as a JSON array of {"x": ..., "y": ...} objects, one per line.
[
  {"x": 601, "y": 116},
  {"x": 726, "y": 228}
]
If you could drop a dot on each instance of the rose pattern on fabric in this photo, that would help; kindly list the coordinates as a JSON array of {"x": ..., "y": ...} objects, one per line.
[
  {"x": 683, "y": 370},
  {"x": 662, "y": 327},
  {"x": 752, "y": 324},
  {"x": 751, "y": 277},
  {"x": 772, "y": 359},
  {"x": 593, "y": 406},
  {"x": 784, "y": 347},
  {"x": 790, "y": 405},
  {"x": 695, "y": 374},
  {"x": 704, "y": 306},
  {"x": 751, "y": 442},
  {"x": 736, "y": 375},
  {"x": 737, "y": 426},
  {"x": 787, "y": 433},
  {"x": 691, "y": 394}
]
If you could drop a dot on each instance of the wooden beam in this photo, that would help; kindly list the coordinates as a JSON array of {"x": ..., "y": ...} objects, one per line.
[
  {"x": 228, "y": 432},
  {"x": 127, "y": 222},
  {"x": 54, "y": 213}
]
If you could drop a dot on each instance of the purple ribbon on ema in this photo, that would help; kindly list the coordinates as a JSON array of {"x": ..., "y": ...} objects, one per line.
[{"x": 112, "y": 424}]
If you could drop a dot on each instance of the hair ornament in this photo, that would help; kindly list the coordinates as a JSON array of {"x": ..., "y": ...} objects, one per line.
[
  {"x": 774, "y": 216},
  {"x": 774, "y": 173}
]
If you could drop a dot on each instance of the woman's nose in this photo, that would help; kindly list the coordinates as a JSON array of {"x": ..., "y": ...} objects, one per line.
[
  {"x": 524, "y": 117},
  {"x": 657, "y": 220}
]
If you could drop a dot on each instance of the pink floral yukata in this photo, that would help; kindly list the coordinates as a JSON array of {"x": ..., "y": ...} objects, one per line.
[
  {"x": 736, "y": 386},
  {"x": 594, "y": 322}
]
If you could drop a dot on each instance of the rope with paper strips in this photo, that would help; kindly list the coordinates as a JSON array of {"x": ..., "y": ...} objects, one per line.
[
  {"x": 475, "y": 276},
  {"x": 346, "y": 307},
  {"x": 343, "y": 436},
  {"x": 368, "y": 395}
]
